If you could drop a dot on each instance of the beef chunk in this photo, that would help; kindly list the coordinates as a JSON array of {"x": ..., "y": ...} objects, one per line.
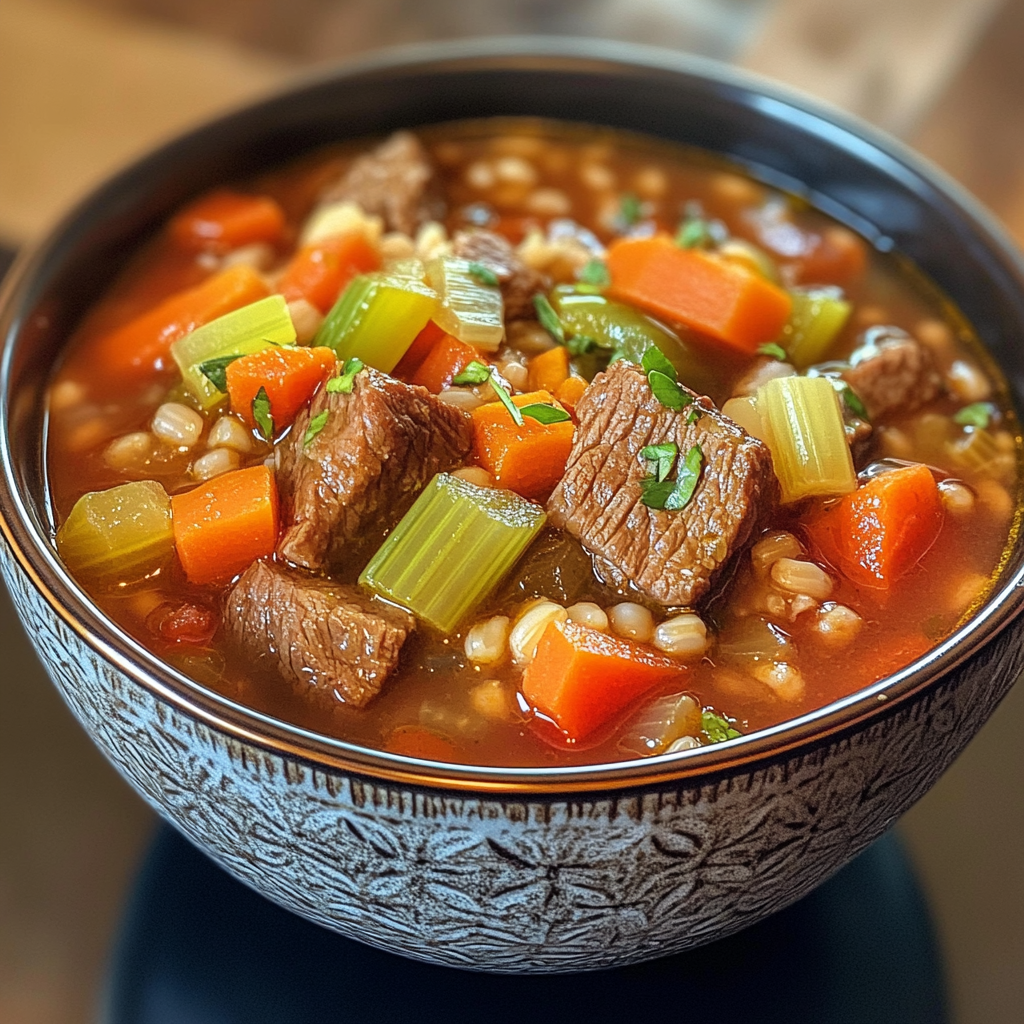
[
  {"x": 393, "y": 182},
  {"x": 892, "y": 372},
  {"x": 328, "y": 640},
  {"x": 519, "y": 282},
  {"x": 380, "y": 445},
  {"x": 671, "y": 557}
]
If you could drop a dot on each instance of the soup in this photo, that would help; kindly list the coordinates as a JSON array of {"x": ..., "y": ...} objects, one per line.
[{"x": 520, "y": 443}]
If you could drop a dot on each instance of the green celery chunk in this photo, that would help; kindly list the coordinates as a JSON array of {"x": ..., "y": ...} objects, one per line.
[
  {"x": 805, "y": 432},
  {"x": 377, "y": 318},
  {"x": 818, "y": 315},
  {"x": 627, "y": 332},
  {"x": 468, "y": 309},
  {"x": 451, "y": 549},
  {"x": 123, "y": 532},
  {"x": 249, "y": 329}
]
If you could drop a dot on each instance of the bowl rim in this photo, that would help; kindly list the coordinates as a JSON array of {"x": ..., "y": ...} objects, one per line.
[{"x": 35, "y": 555}]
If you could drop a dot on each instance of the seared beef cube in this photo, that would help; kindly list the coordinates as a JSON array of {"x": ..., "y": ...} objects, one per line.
[
  {"x": 519, "y": 282},
  {"x": 393, "y": 182},
  {"x": 892, "y": 373},
  {"x": 381, "y": 444},
  {"x": 329, "y": 641},
  {"x": 672, "y": 557}
]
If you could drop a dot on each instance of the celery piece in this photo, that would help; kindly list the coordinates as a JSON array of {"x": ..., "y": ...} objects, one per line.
[
  {"x": 246, "y": 330},
  {"x": 124, "y": 532},
  {"x": 469, "y": 309},
  {"x": 804, "y": 428},
  {"x": 745, "y": 412},
  {"x": 817, "y": 316},
  {"x": 451, "y": 549},
  {"x": 377, "y": 318}
]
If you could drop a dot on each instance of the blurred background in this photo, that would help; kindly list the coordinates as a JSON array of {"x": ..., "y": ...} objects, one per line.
[{"x": 87, "y": 84}]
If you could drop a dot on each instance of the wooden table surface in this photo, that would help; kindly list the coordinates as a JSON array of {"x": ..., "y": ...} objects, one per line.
[{"x": 86, "y": 85}]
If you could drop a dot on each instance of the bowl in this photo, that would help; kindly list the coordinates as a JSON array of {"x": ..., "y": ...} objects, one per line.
[{"x": 516, "y": 870}]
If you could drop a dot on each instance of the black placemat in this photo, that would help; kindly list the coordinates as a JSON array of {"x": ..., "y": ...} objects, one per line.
[{"x": 196, "y": 946}]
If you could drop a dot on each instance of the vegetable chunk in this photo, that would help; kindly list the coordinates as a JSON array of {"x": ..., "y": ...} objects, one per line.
[{"x": 289, "y": 376}]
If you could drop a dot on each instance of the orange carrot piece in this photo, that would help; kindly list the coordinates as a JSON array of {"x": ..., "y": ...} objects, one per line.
[
  {"x": 289, "y": 375},
  {"x": 549, "y": 370},
  {"x": 144, "y": 344},
  {"x": 687, "y": 286},
  {"x": 225, "y": 220},
  {"x": 570, "y": 392},
  {"x": 582, "y": 678},
  {"x": 319, "y": 272},
  {"x": 222, "y": 526},
  {"x": 879, "y": 532},
  {"x": 418, "y": 351},
  {"x": 447, "y": 359},
  {"x": 529, "y": 459}
]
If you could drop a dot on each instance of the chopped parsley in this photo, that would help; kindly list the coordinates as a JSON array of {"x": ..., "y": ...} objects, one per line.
[
  {"x": 343, "y": 384},
  {"x": 630, "y": 209},
  {"x": 667, "y": 391},
  {"x": 580, "y": 345},
  {"x": 659, "y": 492},
  {"x": 594, "y": 272},
  {"x": 693, "y": 415},
  {"x": 655, "y": 359},
  {"x": 261, "y": 414},
  {"x": 483, "y": 274},
  {"x": 215, "y": 371},
  {"x": 978, "y": 414},
  {"x": 474, "y": 372},
  {"x": 549, "y": 318},
  {"x": 662, "y": 458},
  {"x": 316, "y": 424},
  {"x": 717, "y": 728},
  {"x": 506, "y": 400},
  {"x": 773, "y": 349},
  {"x": 693, "y": 233},
  {"x": 852, "y": 402},
  {"x": 544, "y": 413}
]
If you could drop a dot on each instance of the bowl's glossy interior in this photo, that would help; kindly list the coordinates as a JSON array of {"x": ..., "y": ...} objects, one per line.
[{"x": 863, "y": 179}]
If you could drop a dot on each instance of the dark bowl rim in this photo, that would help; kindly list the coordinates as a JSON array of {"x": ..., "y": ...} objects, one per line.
[{"x": 35, "y": 554}]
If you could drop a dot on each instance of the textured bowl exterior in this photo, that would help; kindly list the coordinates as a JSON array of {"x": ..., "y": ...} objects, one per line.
[
  {"x": 493, "y": 871},
  {"x": 519, "y": 884}
]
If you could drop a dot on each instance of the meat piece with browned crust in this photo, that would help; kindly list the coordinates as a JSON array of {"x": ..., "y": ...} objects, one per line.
[{"x": 892, "y": 373}]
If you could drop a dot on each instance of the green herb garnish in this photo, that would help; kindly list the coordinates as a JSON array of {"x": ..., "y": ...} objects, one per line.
[
  {"x": 693, "y": 233},
  {"x": 693, "y": 415},
  {"x": 261, "y": 414},
  {"x": 474, "y": 372},
  {"x": 316, "y": 424},
  {"x": 662, "y": 458},
  {"x": 630, "y": 209},
  {"x": 852, "y": 402},
  {"x": 215, "y": 371},
  {"x": 667, "y": 391},
  {"x": 673, "y": 495},
  {"x": 343, "y": 384},
  {"x": 549, "y": 318},
  {"x": 544, "y": 413},
  {"x": 773, "y": 349},
  {"x": 483, "y": 274},
  {"x": 580, "y": 345},
  {"x": 506, "y": 400},
  {"x": 978, "y": 414},
  {"x": 717, "y": 728},
  {"x": 594, "y": 272},
  {"x": 655, "y": 359}
]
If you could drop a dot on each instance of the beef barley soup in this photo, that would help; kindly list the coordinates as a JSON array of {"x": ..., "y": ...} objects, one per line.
[{"x": 521, "y": 443}]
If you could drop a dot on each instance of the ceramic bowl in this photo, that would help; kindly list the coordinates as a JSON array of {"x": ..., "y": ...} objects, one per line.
[{"x": 512, "y": 870}]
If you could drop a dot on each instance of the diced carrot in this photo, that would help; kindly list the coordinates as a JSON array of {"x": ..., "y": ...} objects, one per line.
[
  {"x": 447, "y": 359},
  {"x": 418, "y": 351},
  {"x": 415, "y": 741},
  {"x": 687, "y": 286},
  {"x": 224, "y": 220},
  {"x": 549, "y": 370},
  {"x": 144, "y": 344},
  {"x": 319, "y": 272},
  {"x": 529, "y": 459},
  {"x": 570, "y": 392},
  {"x": 582, "y": 678},
  {"x": 222, "y": 526},
  {"x": 289, "y": 376},
  {"x": 879, "y": 532}
]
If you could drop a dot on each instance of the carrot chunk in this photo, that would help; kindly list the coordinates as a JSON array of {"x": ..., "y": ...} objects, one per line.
[
  {"x": 529, "y": 459},
  {"x": 144, "y": 344},
  {"x": 418, "y": 351},
  {"x": 289, "y": 376},
  {"x": 319, "y": 272},
  {"x": 582, "y": 678},
  {"x": 725, "y": 301},
  {"x": 222, "y": 526},
  {"x": 549, "y": 370},
  {"x": 878, "y": 533},
  {"x": 224, "y": 220},
  {"x": 447, "y": 359},
  {"x": 570, "y": 392}
]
